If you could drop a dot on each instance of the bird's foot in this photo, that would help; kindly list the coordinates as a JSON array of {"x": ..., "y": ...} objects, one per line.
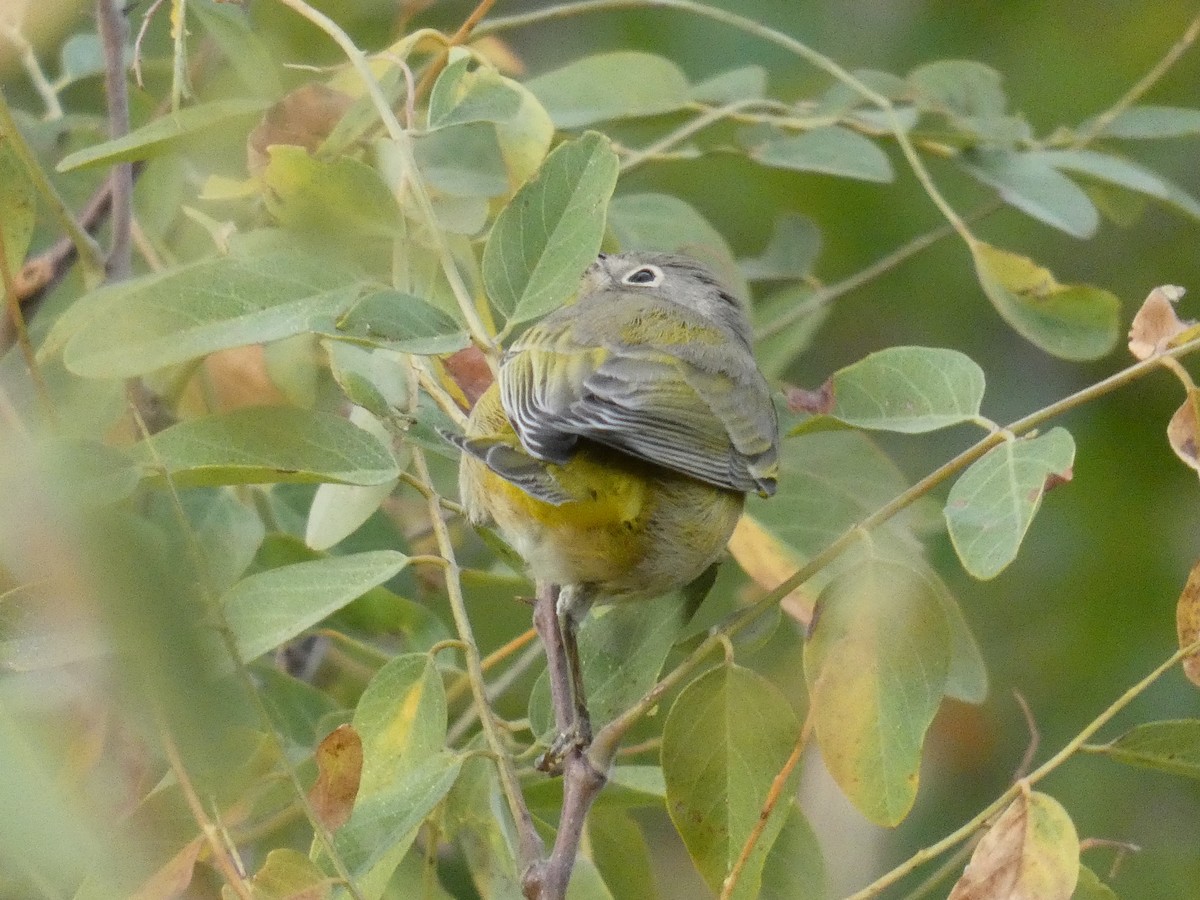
[{"x": 577, "y": 738}]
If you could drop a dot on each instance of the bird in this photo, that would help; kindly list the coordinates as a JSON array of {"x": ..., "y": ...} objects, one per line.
[{"x": 615, "y": 449}]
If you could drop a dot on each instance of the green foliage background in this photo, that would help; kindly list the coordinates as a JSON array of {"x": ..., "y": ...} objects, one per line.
[{"x": 1088, "y": 606}]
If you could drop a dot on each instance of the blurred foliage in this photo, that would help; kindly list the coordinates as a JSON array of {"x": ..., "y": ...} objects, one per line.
[{"x": 228, "y": 658}]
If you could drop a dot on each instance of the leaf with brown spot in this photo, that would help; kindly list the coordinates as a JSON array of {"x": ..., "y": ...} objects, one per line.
[
  {"x": 339, "y": 764},
  {"x": 1156, "y": 323},
  {"x": 1182, "y": 430},
  {"x": 1030, "y": 853},
  {"x": 1187, "y": 620}
]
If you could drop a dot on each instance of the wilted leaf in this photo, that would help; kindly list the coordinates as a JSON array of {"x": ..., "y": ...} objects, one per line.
[
  {"x": 907, "y": 389},
  {"x": 790, "y": 253},
  {"x": 620, "y": 85},
  {"x": 1168, "y": 746},
  {"x": 1183, "y": 431},
  {"x": 876, "y": 664},
  {"x": 1140, "y": 122},
  {"x": 144, "y": 324},
  {"x": 160, "y": 134},
  {"x": 992, "y": 504},
  {"x": 302, "y": 118},
  {"x": 339, "y": 759},
  {"x": 726, "y": 738},
  {"x": 267, "y": 445},
  {"x": 832, "y": 150},
  {"x": 1187, "y": 620},
  {"x": 551, "y": 230},
  {"x": 1072, "y": 321},
  {"x": 1156, "y": 323},
  {"x": 1031, "y": 184},
  {"x": 268, "y": 608},
  {"x": 1030, "y": 853},
  {"x": 340, "y": 195}
]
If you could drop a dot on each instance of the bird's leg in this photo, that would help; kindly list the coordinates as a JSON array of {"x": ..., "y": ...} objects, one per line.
[
  {"x": 572, "y": 608},
  {"x": 557, "y": 617}
]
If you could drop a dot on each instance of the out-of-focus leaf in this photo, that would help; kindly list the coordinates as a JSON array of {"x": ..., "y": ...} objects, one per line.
[
  {"x": 525, "y": 138},
  {"x": 339, "y": 768},
  {"x": 227, "y": 531},
  {"x": 246, "y": 52},
  {"x": 621, "y": 854},
  {"x": 81, "y": 56},
  {"x": 1167, "y": 746},
  {"x": 461, "y": 96},
  {"x": 1114, "y": 170},
  {"x": 1183, "y": 431},
  {"x": 475, "y": 818},
  {"x": 992, "y": 504},
  {"x": 732, "y": 85},
  {"x": 725, "y": 740},
  {"x": 290, "y": 875},
  {"x": 1032, "y": 850},
  {"x": 17, "y": 212},
  {"x": 339, "y": 195},
  {"x": 620, "y": 85},
  {"x": 1073, "y": 321},
  {"x": 777, "y": 347},
  {"x": 1156, "y": 323},
  {"x": 790, "y": 253},
  {"x": 160, "y": 134},
  {"x": 267, "y": 444},
  {"x": 1187, "y": 623},
  {"x": 551, "y": 230},
  {"x": 144, "y": 324},
  {"x": 1140, "y": 122},
  {"x": 462, "y": 160},
  {"x": 172, "y": 878},
  {"x": 663, "y": 222},
  {"x": 876, "y": 664},
  {"x": 1033, "y": 185},
  {"x": 906, "y": 389},
  {"x": 832, "y": 150},
  {"x": 795, "y": 867},
  {"x": 401, "y": 322},
  {"x": 959, "y": 86},
  {"x": 268, "y": 608},
  {"x": 1090, "y": 887}
]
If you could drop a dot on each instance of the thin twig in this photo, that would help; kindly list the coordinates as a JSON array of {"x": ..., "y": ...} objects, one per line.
[
  {"x": 1035, "y": 737},
  {"x": 111, "y": 27},
  {"x": 137, "y": 43},
  {"x": 33, "y": 69},
  {"x": 458, "y": 38},
  {"x": 685, "y": 131}
]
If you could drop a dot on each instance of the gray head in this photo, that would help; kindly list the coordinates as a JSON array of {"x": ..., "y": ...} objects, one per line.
[{"x": 672, "y": 277}]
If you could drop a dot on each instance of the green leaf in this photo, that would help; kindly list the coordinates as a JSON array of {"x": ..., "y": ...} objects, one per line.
[
  {"x": 967, "y": 677},
  {"x": 1071, "y": 321},
  {"x": 621, "y": 85},
  {"x": 747, "y": 82},
  {"x": 663, "y": 222},
  {"x": 908, "y": 389},
  {"x": 551, "y": 230},
  {"x": 230, "y": 29},
  {"x": 960, "y": 87},
  {"x": 790, "y": 253},
  {"x": 462, "y": 160},
  {"x": 621, "y": 854},
  {"x": 993, "y": 502},
  {"x": 375, "y": 379},
  {"x": 331, "y": 196},
  {"x": 876, "y": 664},
  {"x": 401, "y": 322},
  {"x": 401, "y": 717},
  {"x": 795, "y": 867},
  {"x": 18, "y": 212},
  {"x": 473, "y": 821},
  {"x": 1141, "y": 122},
  {"x": 1030, "y": 183},
  {"x": 1123, "y": 173},
  {"x": 160, "y": 134},
  {"x": 1169, "y": 746},
  {"x": 227, "y": 531},
  {"x": 725, "y": 740},
  {"x": 267, "y": 444},
  {"x": 171, "y": 317},
  {"x": 460, "y": 96},
  {"x": 1090, "y": 887},
  {"x": 832, "y": 150},
  {"x": 269, "y": 608}
]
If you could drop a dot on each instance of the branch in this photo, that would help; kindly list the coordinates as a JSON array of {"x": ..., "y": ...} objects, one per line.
[{"x": 111, "y": 26}]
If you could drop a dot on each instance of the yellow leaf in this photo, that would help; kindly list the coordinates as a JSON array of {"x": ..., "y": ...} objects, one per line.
[
  {"x": 770, "y": 562},
  {"x": 1187, "y": 619}
]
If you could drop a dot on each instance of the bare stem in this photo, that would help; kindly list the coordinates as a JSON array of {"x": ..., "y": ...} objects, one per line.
[{"x": 111, "y": 26}]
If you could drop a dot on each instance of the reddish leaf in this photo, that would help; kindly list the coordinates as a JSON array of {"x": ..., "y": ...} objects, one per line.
[
  {"x": 339, "y": 764},
  {"x": 1156, "y": 323}
]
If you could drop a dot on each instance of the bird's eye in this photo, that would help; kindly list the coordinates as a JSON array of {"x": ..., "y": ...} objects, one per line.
[{"x": 646, "y": 275}]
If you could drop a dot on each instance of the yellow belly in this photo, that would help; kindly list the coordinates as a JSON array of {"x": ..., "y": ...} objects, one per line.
[{"x": 633, "y": 531}]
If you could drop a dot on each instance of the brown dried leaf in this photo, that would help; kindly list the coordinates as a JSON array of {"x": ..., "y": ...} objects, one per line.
[
  {"x": 302, "y": 118},
  {"x": 1156, "y": 323},
  {"x": 1182, "y": 430},
  {"x": 1030, "y": 853},
  {"x": 468, "y": 373},
  {"x": 339, "y": 764},
  {"x": 1187, "y": 620},
  {"x": 769, "y": 562},
  {"x": 818, "y": 402}
]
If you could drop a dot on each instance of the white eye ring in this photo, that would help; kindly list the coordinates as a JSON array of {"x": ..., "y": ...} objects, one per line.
[{"x": 644, "y": 276}]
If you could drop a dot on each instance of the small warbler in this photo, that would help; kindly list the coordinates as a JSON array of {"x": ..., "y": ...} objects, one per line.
[{"x": 616, "y": 447}]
